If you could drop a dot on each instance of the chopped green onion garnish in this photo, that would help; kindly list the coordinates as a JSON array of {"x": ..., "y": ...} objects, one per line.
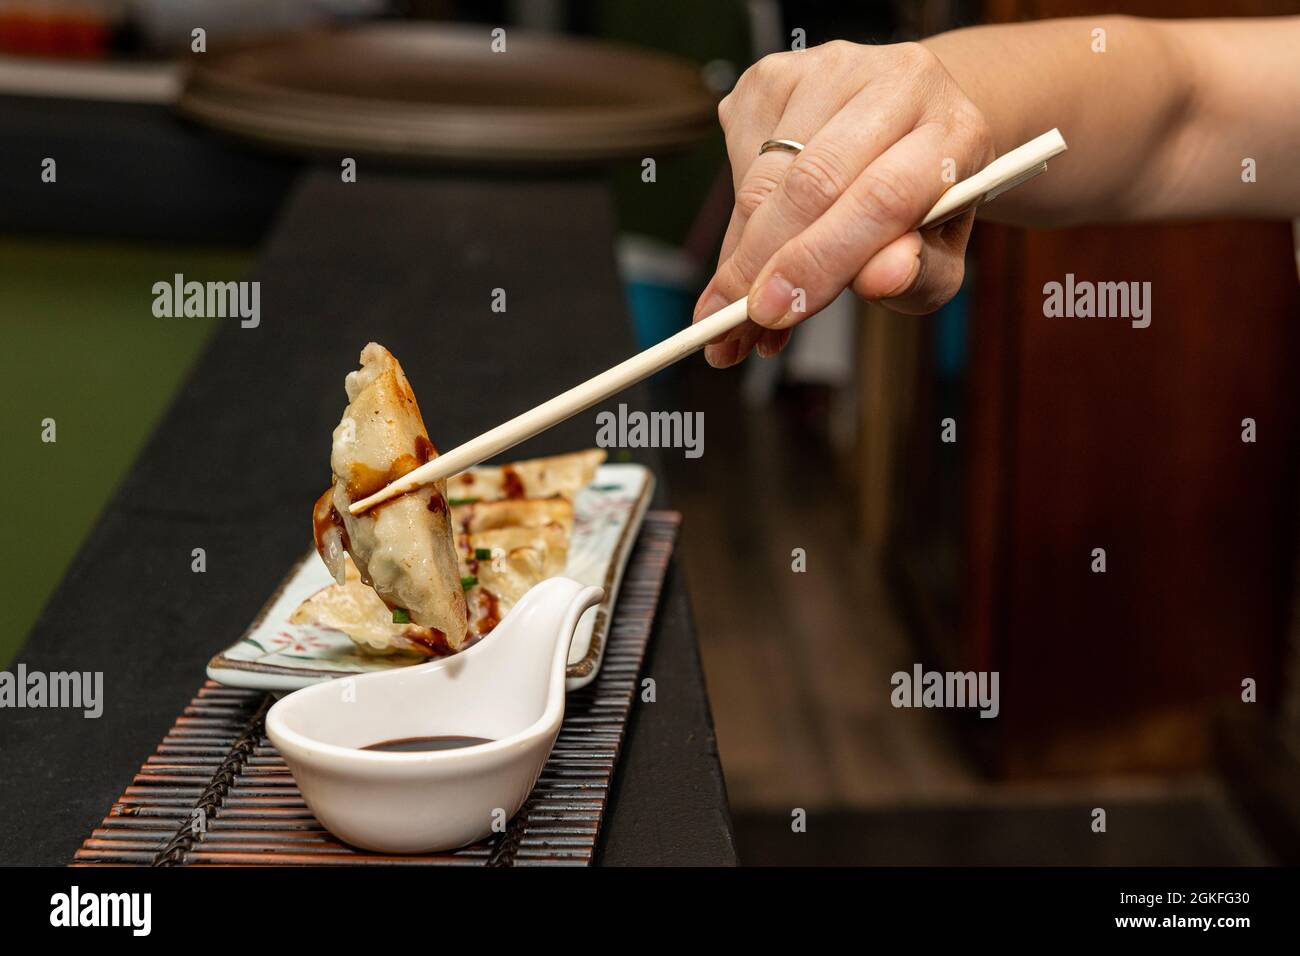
[
  {"x": 482, "y": 554},
  {"x": 401, "y": 615},
  {"x": 461, "y": 501},
  {"x": 468, "y": 582}
]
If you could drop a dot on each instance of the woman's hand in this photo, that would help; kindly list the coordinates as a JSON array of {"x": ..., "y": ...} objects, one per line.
[{"x": 886, "y": 130}]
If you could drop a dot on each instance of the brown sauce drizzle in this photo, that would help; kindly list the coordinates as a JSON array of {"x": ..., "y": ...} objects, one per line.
[
  {"x": 464, "y": 518},
  {"x": 324, "y": 517},
  {"x": 489, "y": 613},
  {"x": 432, "y": 639},
  {"x": 485, "y": 602},
  {"x": 512, "y": 486},
  {"x": 471, "y": 562},
  {"x": 364, "y": 481}
]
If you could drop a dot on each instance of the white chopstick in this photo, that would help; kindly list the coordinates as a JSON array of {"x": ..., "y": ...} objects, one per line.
[{"x": 1007, "y": 171}]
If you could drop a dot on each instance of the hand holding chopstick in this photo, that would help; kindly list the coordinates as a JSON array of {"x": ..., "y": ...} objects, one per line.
[{"x": 1006, "y": 172}]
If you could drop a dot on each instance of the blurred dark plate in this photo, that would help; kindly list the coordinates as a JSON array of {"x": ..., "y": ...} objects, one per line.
[{"x": 439, "y": 93}]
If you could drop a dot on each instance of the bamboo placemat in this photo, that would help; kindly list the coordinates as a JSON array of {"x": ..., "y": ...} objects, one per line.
[{"x": 216, "y": 792}]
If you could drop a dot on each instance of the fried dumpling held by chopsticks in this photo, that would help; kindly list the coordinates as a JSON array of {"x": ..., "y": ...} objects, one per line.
[{"x": 404, "y": 548}]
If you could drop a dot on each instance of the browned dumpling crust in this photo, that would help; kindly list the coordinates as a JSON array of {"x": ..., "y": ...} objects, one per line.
[
  {"x": 562, "y": 475},
  {"x": 436, "y": 568},
  {"x": 404, "y": 548}
]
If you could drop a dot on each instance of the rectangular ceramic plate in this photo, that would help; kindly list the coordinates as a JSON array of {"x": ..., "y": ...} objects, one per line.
[{"x": 275, "y": 655}]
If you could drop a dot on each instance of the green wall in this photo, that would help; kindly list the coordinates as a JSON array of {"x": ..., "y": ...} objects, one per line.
[{"x": 81, "y": 346}]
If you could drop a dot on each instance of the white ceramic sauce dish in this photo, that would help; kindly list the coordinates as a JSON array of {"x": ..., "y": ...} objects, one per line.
[{"x": 508, "y": 688}]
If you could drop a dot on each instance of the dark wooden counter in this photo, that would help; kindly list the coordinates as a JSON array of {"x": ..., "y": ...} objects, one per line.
[{"x": 410, "y": 261}]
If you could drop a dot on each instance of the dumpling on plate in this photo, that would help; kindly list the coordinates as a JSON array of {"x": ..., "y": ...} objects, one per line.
[
  {"x": 478, "y": 551},
  {"x": 512, "y": 513},
  {"x": 500, "y": 565},
  {"x": 402, "y": 548},
  {"x": 354, "y": 608},
  {"x": 562, "y": 475}
]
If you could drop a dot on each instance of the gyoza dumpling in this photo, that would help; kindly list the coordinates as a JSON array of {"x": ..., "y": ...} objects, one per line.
[
  {"x": 512, "y": 513},
  {"x": 478, "y": 550},
  {"x": 536, "y": 478},
  {"x": 402, "y": 548},
  {"x": 500, "y": 582},
  {"x": 502, "y": 564},
  {"x": 354, "y": 608}
]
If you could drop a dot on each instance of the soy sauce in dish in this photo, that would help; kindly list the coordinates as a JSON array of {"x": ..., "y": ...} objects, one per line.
[{"x": 405, "y": 745}]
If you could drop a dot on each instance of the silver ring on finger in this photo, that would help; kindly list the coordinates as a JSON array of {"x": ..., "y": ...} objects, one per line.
[{"x": 785, "y": 145}]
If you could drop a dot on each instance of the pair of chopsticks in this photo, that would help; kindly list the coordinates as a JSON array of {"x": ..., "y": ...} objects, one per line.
[{"x": 1006, "y": 172}]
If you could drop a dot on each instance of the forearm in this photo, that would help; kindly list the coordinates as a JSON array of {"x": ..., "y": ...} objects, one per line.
[{"x": 1158, "y": 125}]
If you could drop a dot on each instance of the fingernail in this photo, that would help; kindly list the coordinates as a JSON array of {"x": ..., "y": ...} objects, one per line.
[
  {"x": 721, "y": 355},
  {"x": 772, "y": 301},
  {"x": 907, "y": 282},
  {"x": 710, "y": 305},
  {"x": 771, "y": 344}
]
